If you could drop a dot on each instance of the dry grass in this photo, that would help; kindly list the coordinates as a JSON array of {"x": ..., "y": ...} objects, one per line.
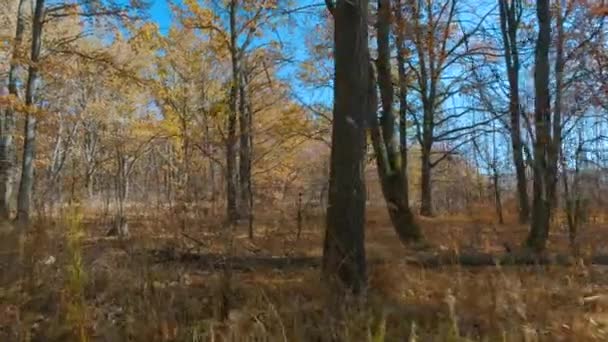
[{"x": 234, "y": 293}]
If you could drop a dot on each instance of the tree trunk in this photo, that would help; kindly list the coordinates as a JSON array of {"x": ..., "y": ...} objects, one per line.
[
  {"x": 344, "y": 265},
  {"x": 522, "y": 183},
  {"x": 29, "y": 145},
  {"x": 401, "y": 52},
  {"x": 426, "y": 200},
  {"x": 245, "y": 148},
  {"x": 89, "y": 184},
  {"x": 572, "y": 199},
  {"x": 7, "y": 145},
  {"x": 509, "y": 25},
  {"x": 231, "y": 139},
  {"x": 393, "y": 182},
  {"x": 555, "y": 148},
  {"x": 497, "y": 197},
  {"x": 120, "y": 225},
  {"x": 541, "y": 208}
]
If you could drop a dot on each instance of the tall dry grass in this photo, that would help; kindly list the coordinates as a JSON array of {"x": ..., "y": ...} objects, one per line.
[{"x": 74, "y": 284}]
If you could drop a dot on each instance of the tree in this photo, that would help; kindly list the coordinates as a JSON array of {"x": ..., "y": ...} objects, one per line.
[
  {"x": 343, "y": 249},
  {"x": 390, "y": 155},
  {"x": 543, "y": 165},
  {"x": 43, "y": 14},
  {"x": 7, "y": 121},
  {"x": 29, "y": 143},
  {"x": 440, "y": 51},
  {"x": 235, "y": 25},
  {"x": 489, "y": 156},
  {"x": 510, "y": 20}
]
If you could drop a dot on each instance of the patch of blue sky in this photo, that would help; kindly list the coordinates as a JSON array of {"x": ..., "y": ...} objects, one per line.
[{"x": 298, "y": 19}]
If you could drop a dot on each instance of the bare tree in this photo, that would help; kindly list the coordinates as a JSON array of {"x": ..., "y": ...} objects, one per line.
[
  {"x": 510, "y": 20},
  {"x": 440, "y": 50},
  {"x": 393, "y": 176},
  {"x": 489, "y": 156}
]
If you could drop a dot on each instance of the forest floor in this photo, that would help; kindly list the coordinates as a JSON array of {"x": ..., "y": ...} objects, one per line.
[{"x": 208, "y": 283}]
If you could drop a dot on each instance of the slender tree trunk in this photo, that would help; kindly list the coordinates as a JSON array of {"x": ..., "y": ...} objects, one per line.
[
  {"x": 185, "y": 167},
  {"x": 344, "y": 250},
  {"x": 121, "y": 179},
  {"x": 89, "y": 183},
  {"x": 555, "y": 147},
  {"x": 212, "y": 177},
  {"x": 401, "y": 52},
  {"x": 393, "y": 182},
  {"x": 90, "y": 152},
  {"x": 497, "y": 197},
  {"x": 509, "y": 25},
  {"x": 7, "y": 145},
  {"x": 231, "y": 139},
  {"x": 250, "y": 168},
  {"x": 517, "y": 150},
  {"x": 496, "y": 179},
  {"x": 522, "y": 183},
  {"x": 572, "y": 199},
  {"x": 426, "y": 200},
  {"x": 541, "y": 213},
  {"x": 244, "y": 148},
  {"x": 29, "y": 146}
]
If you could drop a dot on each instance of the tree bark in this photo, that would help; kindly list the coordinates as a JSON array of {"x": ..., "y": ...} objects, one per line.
[
  {"x": 509, "y": 25},
  {"x": 231, "y": 139},
  {"x": 555, "y": 148},
  {"x": 401, "y": 51},
  {"x": 7, "y": 144},
  {"x": 541, "y": 208},
  {"x": 29, "y": 145},
  {"x": 344, "y": 266},
  {"x": 497, "y": 196},
  {"x": 244, "y": 148},
  {"x": 426, "y": 199},
  {"x": 393, "y": 183}
]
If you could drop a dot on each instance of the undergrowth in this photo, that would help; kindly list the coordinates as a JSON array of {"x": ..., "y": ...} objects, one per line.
[{"x": 77, "y": 285}]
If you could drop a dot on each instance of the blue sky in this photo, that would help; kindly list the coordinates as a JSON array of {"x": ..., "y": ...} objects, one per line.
[
  {"x": 161, "y": 14},
  {"x": 292, "y": 36}
]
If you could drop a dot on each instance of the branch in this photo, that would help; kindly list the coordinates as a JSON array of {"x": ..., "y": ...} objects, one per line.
[{"x": 331, "y": 6}]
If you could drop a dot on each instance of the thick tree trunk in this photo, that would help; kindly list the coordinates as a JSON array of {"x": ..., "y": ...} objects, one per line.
[
  {"x": 29, "y": 145},
  {"x": 7, "y": 128},
  {"x": 344, "y": 265},
  {"x": 541, "y": 208},
  {"x": 401, "y": 216},
  {"x": 393, "y": 182}
]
